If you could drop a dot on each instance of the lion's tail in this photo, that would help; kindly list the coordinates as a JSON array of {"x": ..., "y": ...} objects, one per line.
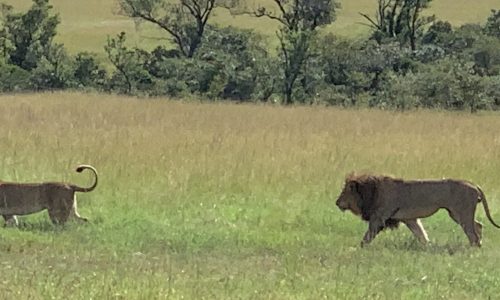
[
  {"x": 79, "y": 169},
  {"x": 482, "y": 199}
]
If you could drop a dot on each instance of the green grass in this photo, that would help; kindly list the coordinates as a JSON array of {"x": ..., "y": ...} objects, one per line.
[
  {"x": 86, "y": 24},
  {"x": 222, "y": 201}
]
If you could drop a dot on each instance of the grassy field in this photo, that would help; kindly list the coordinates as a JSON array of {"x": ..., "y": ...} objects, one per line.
[
  {"x": 222, "y": 201},
  {"x": 86, "y": 24}
]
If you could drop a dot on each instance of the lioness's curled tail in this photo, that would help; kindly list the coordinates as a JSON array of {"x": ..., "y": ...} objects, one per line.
[
  {"x": 79, "y": 169},
  {"x": 482, "y": 199}
]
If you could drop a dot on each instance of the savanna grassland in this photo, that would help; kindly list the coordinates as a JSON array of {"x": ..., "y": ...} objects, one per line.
[
  {"x": 85, "y": 25},
  {"x": 225, "y": 201}
]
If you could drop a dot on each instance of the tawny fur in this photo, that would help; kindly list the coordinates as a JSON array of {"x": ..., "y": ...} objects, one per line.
[
  {"x": 385, "y": 202},
  {"x": 56, "y": 197}
]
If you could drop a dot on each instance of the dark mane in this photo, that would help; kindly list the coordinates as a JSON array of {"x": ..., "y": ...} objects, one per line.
[
  {"x": 369, "y": 176},
  {"x": 367, "y": 188},
  {"x": 391, "y": 223}
]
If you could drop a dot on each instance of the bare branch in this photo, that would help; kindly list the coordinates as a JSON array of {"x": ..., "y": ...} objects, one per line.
[
  {"x": 173, "y": 18},
  {"x": 149, "y": 17},
  {"x": 208, "y": 10},
  {"x": 373, "y": 23},
  {"x": 261, "y": 13},
  {"x": 191, "y": 9},
  {"x": 283, "y": 11},
  {"x": 196, "y": 7}
]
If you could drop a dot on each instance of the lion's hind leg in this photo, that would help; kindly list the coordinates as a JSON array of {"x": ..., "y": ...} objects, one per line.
[
  {"x": 10, "y": 220},
  {"x": 417, "y": 229},
  {"x": 470, "y": 229},
  {"x": 469, "y": 225}
]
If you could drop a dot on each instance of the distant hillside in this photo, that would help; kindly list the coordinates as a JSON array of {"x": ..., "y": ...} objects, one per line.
[{"x": 86, "y": 24}]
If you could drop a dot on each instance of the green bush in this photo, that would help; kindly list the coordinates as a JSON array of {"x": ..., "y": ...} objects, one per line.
[
  {"x": 492, "y": 90},
  {"x": 30, "y": 35},
  {"x": 492, "y": 26},
  {"x": 337, "y": 95},
  {"x": 88, "y": 72},
  {"x": 131, "y": 75},
  {"x": 13, "y": 78},
  {"x": 398, "y": 92},
  {"x": 53, "y": 71},
  {"x": 229, "y": 65},
  {"x": 451, "y": 84},
  {"x": 235, "y": 54}
]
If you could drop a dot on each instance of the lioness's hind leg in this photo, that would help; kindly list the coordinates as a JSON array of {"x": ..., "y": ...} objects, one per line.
[
  {"x": 10, "y": 220},
  {"x": 417, "y": 229},
  {"x": 59, "y": 215}
]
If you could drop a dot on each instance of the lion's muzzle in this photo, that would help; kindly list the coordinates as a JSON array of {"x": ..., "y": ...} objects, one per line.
[{"x": 341, "y": 206}]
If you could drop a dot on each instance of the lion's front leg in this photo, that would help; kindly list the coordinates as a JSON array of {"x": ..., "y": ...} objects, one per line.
[{"x": 375, "y": 225}]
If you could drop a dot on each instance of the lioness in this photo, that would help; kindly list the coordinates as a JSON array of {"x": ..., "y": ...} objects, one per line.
[
  {"x": 27, "y": 198},
  {"x": 385, "y": 202}
]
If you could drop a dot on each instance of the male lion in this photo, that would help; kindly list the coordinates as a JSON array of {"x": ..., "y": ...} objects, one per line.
[
  {"x": 27, "y": 198},
  {"x": 385, "y": 202}
]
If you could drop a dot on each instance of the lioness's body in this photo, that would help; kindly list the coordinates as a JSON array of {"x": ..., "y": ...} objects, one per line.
[
  {"x": 27, "y": 198},
  {"x": 384, "y": 202}
]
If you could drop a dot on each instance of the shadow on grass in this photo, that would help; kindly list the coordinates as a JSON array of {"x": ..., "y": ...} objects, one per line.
[
  {"x": 40, "y": 226},
  {"x": 445, "y": 247},
  {"x": 46, "y": 226}
]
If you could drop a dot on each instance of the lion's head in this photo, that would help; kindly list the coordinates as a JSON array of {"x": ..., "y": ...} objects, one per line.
[
  {"x": 358, "y": 195},
  {"x": 349, "y": 198}
]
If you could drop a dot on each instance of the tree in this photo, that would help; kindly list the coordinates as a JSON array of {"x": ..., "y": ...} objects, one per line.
[
  {"x": 399, "y": 19},
  {"x": 237, "y": 56},
  {"x": 88, "y": 72},
  {"x": 440, "y": 33},
  {"x": 5, "y": 43},
  {"x": 129, "y": 64},
  {"x": 13, "y": 78},
  {"x": 184, "y": 21},
  {"x": 54, "y": 70},
  {"x": 492, "y": 26},
  {"x": 299, "y": 21},
  {"x": 30, "y": 35},
  {"x": 27, "y": 42}
]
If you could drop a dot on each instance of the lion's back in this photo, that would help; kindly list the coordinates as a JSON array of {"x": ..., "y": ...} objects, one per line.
[{"x": 422, "y": 198}]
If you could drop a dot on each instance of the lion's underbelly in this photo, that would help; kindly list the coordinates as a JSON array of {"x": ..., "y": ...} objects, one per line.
[{"x": 414, "y": 212}]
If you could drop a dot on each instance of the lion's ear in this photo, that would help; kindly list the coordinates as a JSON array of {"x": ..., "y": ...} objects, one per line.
[{"x": 352, "y": 186}]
